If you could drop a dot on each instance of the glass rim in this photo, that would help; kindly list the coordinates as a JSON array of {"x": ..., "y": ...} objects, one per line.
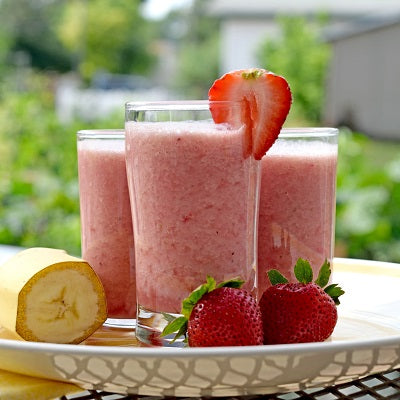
[
  {"x": 285, "y": 133},
  {"x": 177, "y": 105},
  {"x": 118, "y": 133},
  {"x": 204, "y": 105},
  {"x": 307, "y": 132}
]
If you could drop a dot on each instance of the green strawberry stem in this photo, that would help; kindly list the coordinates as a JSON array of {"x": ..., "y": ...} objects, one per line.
[{"x": 304, "y": 274}]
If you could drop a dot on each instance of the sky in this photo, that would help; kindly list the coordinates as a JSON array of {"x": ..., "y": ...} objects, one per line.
[{"x": 156, "y": 9}]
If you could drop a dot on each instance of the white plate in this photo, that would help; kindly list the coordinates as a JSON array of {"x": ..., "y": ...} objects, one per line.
[{"x": 366, "y": 341}]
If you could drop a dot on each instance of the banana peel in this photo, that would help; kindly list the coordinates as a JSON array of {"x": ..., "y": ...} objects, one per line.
[
  {"x": 46, "y": 295},
  {"x": 16, "y": 387}
]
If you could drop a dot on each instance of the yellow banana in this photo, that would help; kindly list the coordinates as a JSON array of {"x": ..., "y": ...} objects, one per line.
[{"x": 47, "y": 295}]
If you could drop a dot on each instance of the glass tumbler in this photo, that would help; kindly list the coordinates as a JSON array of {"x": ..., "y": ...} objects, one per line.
[
  {"x": 106, "y": 221},
  {"x": 194, "y": 196},
  {"x": 297, "y": 201}
]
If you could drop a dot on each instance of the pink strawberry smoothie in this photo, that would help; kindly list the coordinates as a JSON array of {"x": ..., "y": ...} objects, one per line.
[
  {"x": 192, "y": 209},
  {"x": 297, "y": 207},
  {"x": 106, "y": 223}
]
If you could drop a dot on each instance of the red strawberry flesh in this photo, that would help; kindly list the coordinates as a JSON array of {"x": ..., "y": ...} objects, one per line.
[{"x": 266, "y": 101}]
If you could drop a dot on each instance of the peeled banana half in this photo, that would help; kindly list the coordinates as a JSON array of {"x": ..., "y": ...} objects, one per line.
[{"x": 47, "y": 295}]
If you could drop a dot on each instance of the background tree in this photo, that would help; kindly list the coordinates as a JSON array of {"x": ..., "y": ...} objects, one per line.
[
  {"x": 29, "y": 26},
  {"x": 300, "y": 55},
  {"x": 108, "y": 35}
]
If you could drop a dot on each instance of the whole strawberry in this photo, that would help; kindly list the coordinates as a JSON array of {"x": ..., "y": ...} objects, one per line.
[
  {"x": 299, "y": 312},
  {"x": 222, "y": 315}
]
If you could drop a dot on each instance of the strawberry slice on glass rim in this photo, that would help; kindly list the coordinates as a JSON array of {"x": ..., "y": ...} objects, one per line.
[{"x": 266, "y": 100}]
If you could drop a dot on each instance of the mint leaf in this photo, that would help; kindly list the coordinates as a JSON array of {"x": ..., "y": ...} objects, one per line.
[
  {"x": 324, "y": 274},
  {"x": 275, "y": 277},
  {"x": 303, "y": 271},
  {"x": 335, "y": 292},
  {"x": 235, "y": 283}
]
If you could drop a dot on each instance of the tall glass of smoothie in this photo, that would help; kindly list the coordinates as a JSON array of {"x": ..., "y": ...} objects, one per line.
[
  {"x": 297, "y": 202},
  {"x": 106, "y": 221},
  {"x": 194, "y": 197}
]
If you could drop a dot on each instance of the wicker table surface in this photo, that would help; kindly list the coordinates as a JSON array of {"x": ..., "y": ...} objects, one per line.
[{"x": 379, "y": 386}]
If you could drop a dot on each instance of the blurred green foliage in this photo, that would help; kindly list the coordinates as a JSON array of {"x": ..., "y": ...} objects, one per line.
[
  {"x": 302, "y": 58},
  {"x": 85, "y": 35},
  {"x": 39, "y": 197},
  {"x": 107, "y": 35},
  {"x": 368, "y": 198},
  {"x": 31, "y": 28}
]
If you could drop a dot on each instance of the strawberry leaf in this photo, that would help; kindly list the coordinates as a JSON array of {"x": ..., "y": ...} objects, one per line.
[
  {"x": 178, "y": 325},
  {"x": 275, "y": 277},
  {"x": 324, "y": 274},
  {"x": 335, "y": 292},
  {"x": 235, "y": 283},
  {"x": 168, "y": 317},
  {"x": 303, "y": 271},
  {"x": 196, "y": 295}
]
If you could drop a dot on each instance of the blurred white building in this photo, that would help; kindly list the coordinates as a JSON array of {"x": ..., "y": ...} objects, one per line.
[
  {"x": 246, "y": 24},
  {"x": 363, "y": 86}
]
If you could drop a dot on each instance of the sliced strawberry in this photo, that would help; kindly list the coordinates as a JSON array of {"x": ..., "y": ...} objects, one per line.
[{"x": 266, "y": 101}]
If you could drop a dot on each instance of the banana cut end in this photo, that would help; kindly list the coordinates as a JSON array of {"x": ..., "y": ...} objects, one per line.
[
  {"x": 63, "y": 303},
  {"x": 47, "y": 295}
]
